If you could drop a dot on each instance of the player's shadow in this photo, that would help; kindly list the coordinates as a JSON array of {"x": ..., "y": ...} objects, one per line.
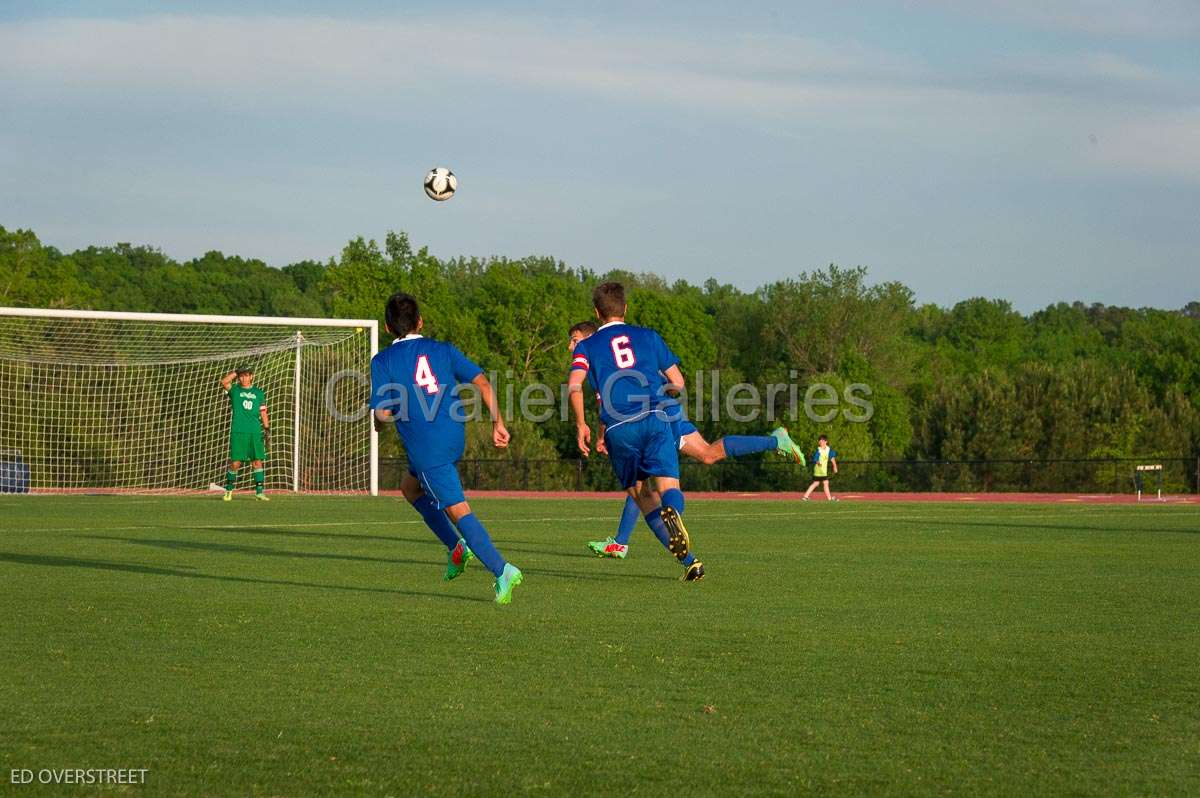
[
  {"x": 596, "y": 577},
  {"x": 281, "y": 531},
  {"x": 523, "y": 546},
  {"x": 542, "y": 550},
  {"x": 262, "y": 551},
  {"x": 256, "y": 551},
  {"x": 188, "y": 573}
]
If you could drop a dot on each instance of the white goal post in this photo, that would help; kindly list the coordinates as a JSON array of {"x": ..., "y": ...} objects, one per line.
[{"x": 110, "y": 401}]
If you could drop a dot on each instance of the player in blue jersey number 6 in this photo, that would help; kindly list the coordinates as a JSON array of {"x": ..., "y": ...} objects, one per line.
[
  {"x": 636, "y": 376},
  {"x": 691, "y": 443},
  {"x": 412, "y": 385}
]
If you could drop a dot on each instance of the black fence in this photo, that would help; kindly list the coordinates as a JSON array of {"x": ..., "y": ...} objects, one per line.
[{"x": 1179, "y": 475}]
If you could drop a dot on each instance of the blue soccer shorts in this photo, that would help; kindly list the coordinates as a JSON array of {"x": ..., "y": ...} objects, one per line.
[
  {"x": 441, "y": 484},
  {"x": 647, "y": 447},
  {"x": 683, "y": 428}
]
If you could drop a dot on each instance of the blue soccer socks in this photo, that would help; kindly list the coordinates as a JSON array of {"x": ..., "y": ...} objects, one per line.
[
  {"x": 437, "y": 521},
  {"x": 629, "y": 519},
  {"x": 741, "y": 445},
  {"x": 673, "y": 498},
  {"x": 480, "y": 543}
]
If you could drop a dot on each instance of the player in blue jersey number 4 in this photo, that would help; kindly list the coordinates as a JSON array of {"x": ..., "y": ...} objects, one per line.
[
  {"x": 412, "y": 385},
  {"x": 637, "y": 377}
]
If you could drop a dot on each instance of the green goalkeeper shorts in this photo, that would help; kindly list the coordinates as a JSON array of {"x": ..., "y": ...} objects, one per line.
[{"x": 246, "y": 446}]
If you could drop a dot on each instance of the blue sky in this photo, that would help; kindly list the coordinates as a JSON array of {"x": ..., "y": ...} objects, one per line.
[{"x": 1026, "y": 150}]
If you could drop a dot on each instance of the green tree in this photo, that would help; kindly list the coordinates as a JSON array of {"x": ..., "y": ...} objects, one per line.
[
  {"x": 525, "y": 309},
  {"x": 977, "y": 381},
  {"x": 32, "y": 275},
  {"x": 680, "y": 318}
]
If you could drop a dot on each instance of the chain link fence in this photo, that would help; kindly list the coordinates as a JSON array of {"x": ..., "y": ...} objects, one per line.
[{"x": 1116, "y": 475}]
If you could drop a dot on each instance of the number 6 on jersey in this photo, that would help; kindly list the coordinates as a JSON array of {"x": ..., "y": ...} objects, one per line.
[{"x": 622, "y": 352}]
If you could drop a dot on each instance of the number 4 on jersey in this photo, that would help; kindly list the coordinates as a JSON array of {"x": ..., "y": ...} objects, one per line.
[
  {"x": 425, "y": 377},
  {"x": 622, "y": 352}
]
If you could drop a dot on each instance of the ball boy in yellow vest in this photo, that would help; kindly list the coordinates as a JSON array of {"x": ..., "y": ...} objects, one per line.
[{"x": 823, "y": 459}]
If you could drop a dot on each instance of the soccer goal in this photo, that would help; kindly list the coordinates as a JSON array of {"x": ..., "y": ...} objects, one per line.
[{"x": 100, "y": 401}]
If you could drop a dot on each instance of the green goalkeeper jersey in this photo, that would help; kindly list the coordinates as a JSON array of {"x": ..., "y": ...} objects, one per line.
[{"x": 246, "y": 402}]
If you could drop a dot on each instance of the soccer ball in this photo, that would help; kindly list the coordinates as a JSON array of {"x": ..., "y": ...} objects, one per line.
[{"x": 440, "y": 183}]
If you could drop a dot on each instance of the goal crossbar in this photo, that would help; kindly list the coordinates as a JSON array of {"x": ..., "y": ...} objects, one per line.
[{"x": 198, "y": 318}]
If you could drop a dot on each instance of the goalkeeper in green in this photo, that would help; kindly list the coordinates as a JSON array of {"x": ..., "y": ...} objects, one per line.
[{"x": 246, "y": 430}]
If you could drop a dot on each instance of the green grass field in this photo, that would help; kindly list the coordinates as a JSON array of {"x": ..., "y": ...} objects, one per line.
[{"x": 309, "y": 646}]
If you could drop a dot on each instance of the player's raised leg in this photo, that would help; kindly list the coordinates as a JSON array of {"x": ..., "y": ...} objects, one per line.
[
  {"x": 696, "y": 447},
  {"x": 785, "y": 446}
]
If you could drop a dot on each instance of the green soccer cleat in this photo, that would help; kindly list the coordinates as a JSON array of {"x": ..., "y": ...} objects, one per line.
[
  {"x": 509, "y": 578},
  {"x": 678, "y": 542},
  {"x": 608, "y": 548},
  {"x": 456, "y": 561},
  {"x": 228, "y": 497},
  {"x": 694, "y": 572},
  {"x": 785, "y": 446},
  {"x": 262, "y": 497}
]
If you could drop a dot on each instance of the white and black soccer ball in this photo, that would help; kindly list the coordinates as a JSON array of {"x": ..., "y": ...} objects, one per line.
[{"x": 440, "y": 184}]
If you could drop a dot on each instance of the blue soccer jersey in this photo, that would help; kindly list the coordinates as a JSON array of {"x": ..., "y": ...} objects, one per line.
[
  {"x": 415, "y": 378},
  {"x": 625, "y": 364}
]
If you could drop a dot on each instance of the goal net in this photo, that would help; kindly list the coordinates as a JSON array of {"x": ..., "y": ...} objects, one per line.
[{"x": 91, "y": 400}]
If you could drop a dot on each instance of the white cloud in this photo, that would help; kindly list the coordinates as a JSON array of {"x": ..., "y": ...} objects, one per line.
[
  {"x": 1103, "y": 77},
  {"x": 1091, "y": 66},
  {"x": 1165, "y": 19},
  {"x": 297, "y": 54},
  {"x": 1164, "y": 145},
  {"x": 1035, "y": 106},
  {"x": 293, "y": 56}
]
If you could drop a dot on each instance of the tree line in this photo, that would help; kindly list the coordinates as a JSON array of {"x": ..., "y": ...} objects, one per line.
[{"x": 976, "y": 381}]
